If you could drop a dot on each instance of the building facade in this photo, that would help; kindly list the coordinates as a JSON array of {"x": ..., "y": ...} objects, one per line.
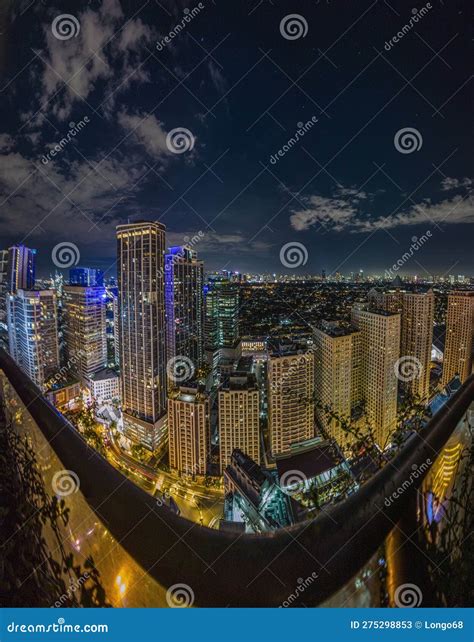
[
  {"x": 33, "y": 333},
  {"x": 3, "y": 286},
  {"x": 21, "y": 268},
  {"x": 189, "y": 430},
  {"x": 87, "y": 277},
  {"x": 290, "y": 395},
  {"x": 459, "y": 336},
  {"x": 239, "y": 417},
  {"x": 417, "y": 340},
  {"x": 84, "y": 323},
  {"x": 140, "y": 269},
  {"x": 337, "y": 357},
  {"x": 184, "y": 282},
  {"x": 380, "y": 349},
  {"x": 221, "y": 315}
]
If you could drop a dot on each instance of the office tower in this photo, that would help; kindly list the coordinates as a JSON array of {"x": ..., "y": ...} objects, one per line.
[
  {"x": 239, "y": 417},
  {"x": 389, "y": 300},
  {"x": 3, "y": 286},
  {"x": 336, "y": 357},
  {"x": 33, "y": 333},
  {"x": 85, "y": 329},
  {"x": 380, "y": 350},
  {"x": 115, "y": 317},
  {"x": 140, "y": 268},
  {"x": 89, "y": 277},
  {"x": 459, "y": 336},
  {"x": 416, "y": 341},
  {"x": 290, "y": 395},
  {"x": 189, "y": 430},
  {"x": 184, "y": 305},
  {"x": 221, "y": 315},
  {"x": 21, "y": 268}
]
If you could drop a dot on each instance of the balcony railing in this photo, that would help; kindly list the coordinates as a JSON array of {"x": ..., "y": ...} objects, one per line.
[{"x": 141, "y": 549}]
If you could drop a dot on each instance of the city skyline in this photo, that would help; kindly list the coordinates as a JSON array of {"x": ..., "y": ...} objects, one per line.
[{"x": 345, "y": 187}]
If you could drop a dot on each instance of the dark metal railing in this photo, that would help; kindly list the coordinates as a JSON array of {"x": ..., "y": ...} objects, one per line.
[{"x": 231, "y": 569}]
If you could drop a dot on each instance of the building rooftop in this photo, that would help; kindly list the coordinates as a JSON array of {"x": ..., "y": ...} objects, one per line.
[
  {"x": 104, "y": 374},
  {"x": 239, "y": 380},
  {"x": 311, "y": 461},
  {"x": 336, "y": 328}
]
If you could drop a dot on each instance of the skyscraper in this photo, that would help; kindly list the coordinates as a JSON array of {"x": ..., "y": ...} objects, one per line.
[
  {"x": 184, "y": 305},
  {"x": 33, "y": 333},
  {"x": 222, "y": 315},
  {"x": 380, "y": 349},
  {"x": 21, "y": 268},
  {"x": 140, "y": 268},
  {"x": 459, "y": 336},
  {"x": 85, "y": 329},
  {"x": 336, "y": 357},
  {"x": 290, "y": 395},
  {"x": 3, "y": 286},
  {"x": 417, "y": 340},
  {"x": 86, "y": 276},
  {"x": 239, "y": 417},
  {"x": 189, "y": 430}
]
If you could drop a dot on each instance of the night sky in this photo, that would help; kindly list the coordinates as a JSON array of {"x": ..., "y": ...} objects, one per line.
[{"x": 241, "y": 84}]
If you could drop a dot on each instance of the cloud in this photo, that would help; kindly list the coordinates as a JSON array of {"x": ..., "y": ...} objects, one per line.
[
  {"x": 448, "y": 184},
  {"x": 147, "y": 130},
  {"x": 350, "y": 214}
]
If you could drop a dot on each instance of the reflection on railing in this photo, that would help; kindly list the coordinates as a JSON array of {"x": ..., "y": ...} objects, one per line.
[{"x": 140, "y": 550}]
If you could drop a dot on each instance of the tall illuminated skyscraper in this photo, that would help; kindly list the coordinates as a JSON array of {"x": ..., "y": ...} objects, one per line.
[
  {"x": 380, "y": 349},
  {"x": 337, "y": 357},
  {"x": 33, "y": 333},
  {"x": 140, "y": 269},
  {"x": 189, "y": 430},
  {"x": 239, "y": 417},
  {"x": 184, "y": 304},
  {"x": 85, "y": 335},
  {"x": 417, "y": 339},
  {"x": 3, "y": 286},
  {"x": 222, "y": 315},
  {"x": 21, "y": 268},
  {"x": 290, "y": 395},
  {"x": 90, "y": 277},
  {"x": 459, "y": 336}
]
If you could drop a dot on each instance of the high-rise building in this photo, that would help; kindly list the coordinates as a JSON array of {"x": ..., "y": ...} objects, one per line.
[
  {"x": 184, "y": 305},
  {"x": 85, "y": 329},
  {"x": 417, "y": 340},
  {"x": 115, "y": 321},
  {"x": 85, "y": 276},
  {"x": 3, "y": 286},
  {"x": 33, "y": 333},
  {"x": 221, "y": 315},
  {"x": 380, "y": 349},
  {"x": 140, "y": 268},
  {"x": 239, "y": 417},
  {"x": 21, "y": 268},
  {"x": 290, "y": 395},
  {"x": 189, "y": 430},
  {"x": 388, "y": 300},
  {"x": 337, "y": 362},
  {"x": 459, "y": 336}
]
